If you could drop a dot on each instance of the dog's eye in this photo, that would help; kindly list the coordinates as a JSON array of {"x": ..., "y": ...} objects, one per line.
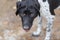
[{"x": 32, "y": 15}]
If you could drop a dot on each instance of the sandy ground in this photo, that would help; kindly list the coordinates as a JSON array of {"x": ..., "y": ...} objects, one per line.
[{"x": 11, "y": 25}]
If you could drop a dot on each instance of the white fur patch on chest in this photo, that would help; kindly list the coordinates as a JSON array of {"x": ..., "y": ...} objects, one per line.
[{"x": 44, "y": 8}]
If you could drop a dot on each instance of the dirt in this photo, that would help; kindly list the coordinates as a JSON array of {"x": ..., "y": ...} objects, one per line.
[{"x": 11, "y": 25}]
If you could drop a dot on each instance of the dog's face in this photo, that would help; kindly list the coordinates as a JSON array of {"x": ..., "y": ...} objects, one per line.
[{"x": 27, "y": 14}]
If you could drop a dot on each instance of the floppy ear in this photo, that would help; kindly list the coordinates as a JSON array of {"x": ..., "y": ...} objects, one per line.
[
  {"x": 38, "y": 10},
  {"x": 18, "y": 5},
  {"x": 17, "y": 12},
  {"x": 38, "y": 13}
]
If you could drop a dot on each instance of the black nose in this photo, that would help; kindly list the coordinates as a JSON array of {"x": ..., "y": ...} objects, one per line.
[{"x": 26, "y": 28}]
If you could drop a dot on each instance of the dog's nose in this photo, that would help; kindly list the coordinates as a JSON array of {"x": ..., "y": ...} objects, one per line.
[{"x": 26, "y": 28}]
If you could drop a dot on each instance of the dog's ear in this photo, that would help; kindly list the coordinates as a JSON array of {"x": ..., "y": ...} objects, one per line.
[
  {"x": 17, "y": 12},
  {"x": 37, "y": 9},
  {"x": 18, "y": 5},
  {"x": 38, "y": 13}
]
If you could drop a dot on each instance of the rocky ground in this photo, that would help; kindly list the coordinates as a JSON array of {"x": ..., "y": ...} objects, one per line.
[{"x": 11, "y": 25}]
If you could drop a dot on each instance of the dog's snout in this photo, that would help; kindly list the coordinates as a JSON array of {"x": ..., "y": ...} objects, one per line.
[{"x": 26, "y": 28}]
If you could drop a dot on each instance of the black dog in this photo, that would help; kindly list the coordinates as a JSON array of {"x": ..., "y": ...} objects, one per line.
[{"x": 27, "y": 10}]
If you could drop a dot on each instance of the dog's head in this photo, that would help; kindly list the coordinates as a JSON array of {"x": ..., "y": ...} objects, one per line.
[{"x": 27, "y": 12}]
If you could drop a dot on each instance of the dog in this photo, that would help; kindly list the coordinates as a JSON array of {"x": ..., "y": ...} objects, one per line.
[{"x": 28, "y": 10}]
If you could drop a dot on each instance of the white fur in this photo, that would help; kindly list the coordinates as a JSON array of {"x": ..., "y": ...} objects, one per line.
[
  {"x": 45, "y": 12},
  {"x": 50, "y": 20},
  {"x": 38, "y": 31},
  {"x": 19, "y": 0}
]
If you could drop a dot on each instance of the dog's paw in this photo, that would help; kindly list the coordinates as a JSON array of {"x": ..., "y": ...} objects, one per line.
[{"x": 35, "y": 34}]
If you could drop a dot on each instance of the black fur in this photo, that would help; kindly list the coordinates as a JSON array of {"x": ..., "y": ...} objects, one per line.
[{"x": 53, "y": 4}]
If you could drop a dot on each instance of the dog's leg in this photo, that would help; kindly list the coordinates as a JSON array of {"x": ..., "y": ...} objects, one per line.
[
  {"x": 45, "y": 9},
  {"x": 38, "y": 31},
  {"x": 50, "y": 20}
]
